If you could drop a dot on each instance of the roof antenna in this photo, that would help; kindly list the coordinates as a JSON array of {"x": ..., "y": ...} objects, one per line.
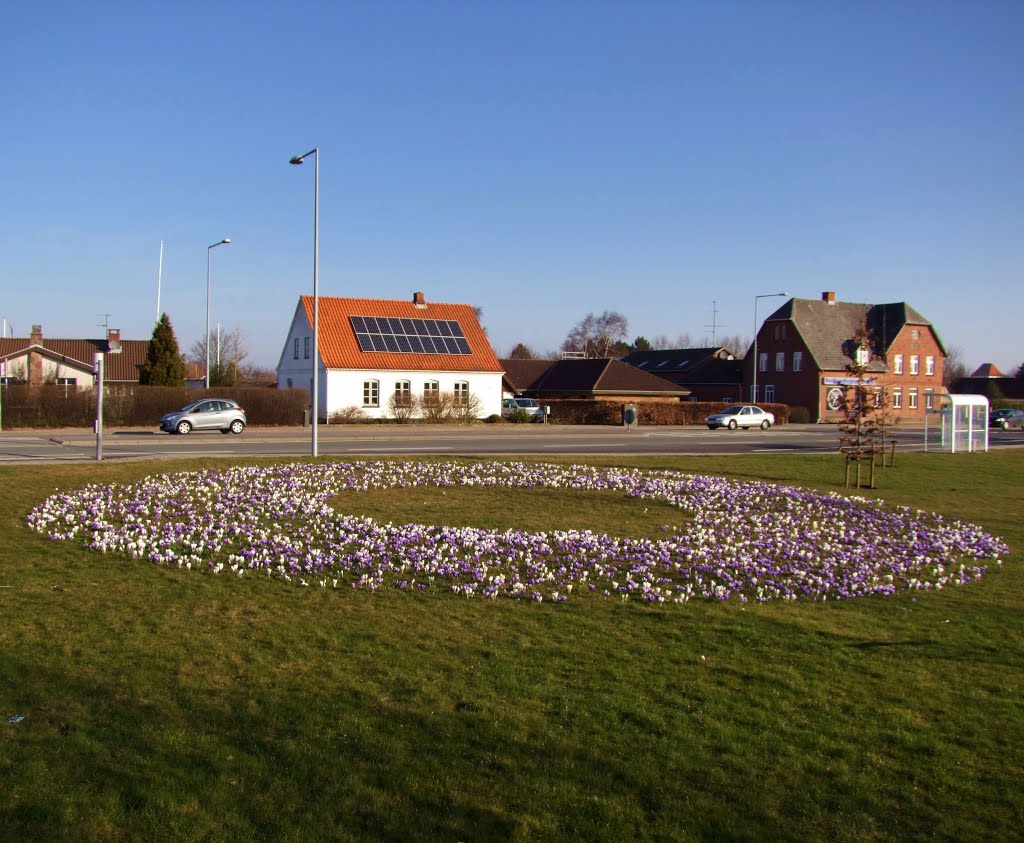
[{"x": 714, "y": 322}]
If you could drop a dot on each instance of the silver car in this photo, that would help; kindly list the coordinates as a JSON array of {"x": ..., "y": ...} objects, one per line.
[
  {"x": 741, "y": 415},
  {"x": 221, "y": 414},
  {"x": 526, "y": 405}
]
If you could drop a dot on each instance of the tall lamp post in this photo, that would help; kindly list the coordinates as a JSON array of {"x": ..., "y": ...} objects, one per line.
[
  {"x": 298, "y": 159},
  {"x": 753, "y": 390},
  {"x": 207, "y": 343}
]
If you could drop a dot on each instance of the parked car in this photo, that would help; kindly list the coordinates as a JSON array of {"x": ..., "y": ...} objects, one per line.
[
  {"x": 527, "y": 405},
  {"x": 221, "y": 414},
  {"x": 1006, "y": 419},
  {"x": 741, "y": 415}
]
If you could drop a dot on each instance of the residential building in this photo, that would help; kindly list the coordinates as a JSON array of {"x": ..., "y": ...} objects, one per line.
[
  {"x": 805, "y": 347},
  {"x": 710, "y": 374},
  {"x": 600, "y": 379},
  {"x": 371, "y": 350},
  {"x": 37, "y": 360}
]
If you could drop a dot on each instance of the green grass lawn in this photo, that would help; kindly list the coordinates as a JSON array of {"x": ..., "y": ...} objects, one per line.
[{"x": 162, "y": 704}]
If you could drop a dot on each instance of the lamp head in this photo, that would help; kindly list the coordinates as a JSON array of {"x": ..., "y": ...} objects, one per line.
[
  {"x": 225, "y": 240},
  {"x": 296, "y": 159}
]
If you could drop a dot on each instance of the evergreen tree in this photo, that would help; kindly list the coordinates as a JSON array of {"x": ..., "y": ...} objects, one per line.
[{"x": 164, "y": 366}]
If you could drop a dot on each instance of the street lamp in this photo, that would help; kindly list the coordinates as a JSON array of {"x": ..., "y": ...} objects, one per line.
[
  {"x": 207, "y": 343},
  {"x": 753, "y": 390},
  {"x": 298, "y": 159}
]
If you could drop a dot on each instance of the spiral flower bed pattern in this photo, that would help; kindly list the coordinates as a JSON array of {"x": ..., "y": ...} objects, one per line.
[{"x": 749, "y": 541}]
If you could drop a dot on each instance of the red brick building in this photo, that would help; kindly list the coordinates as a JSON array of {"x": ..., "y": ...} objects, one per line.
[{"x": 804, "y": 348}]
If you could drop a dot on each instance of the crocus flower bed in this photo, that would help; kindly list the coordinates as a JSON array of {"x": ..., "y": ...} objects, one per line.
[{"x": 748, "y": 541}]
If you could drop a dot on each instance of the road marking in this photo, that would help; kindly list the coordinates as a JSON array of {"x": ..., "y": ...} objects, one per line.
[
  {"x": 588, "y": 445},
  {"x": 389, "y": 449}
]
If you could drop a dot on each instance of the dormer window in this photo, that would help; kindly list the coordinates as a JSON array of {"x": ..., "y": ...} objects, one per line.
[{"x": 863, "y": 356}]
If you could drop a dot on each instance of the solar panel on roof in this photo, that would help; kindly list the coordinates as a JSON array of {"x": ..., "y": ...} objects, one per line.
[{"x": 409, "y": 336}]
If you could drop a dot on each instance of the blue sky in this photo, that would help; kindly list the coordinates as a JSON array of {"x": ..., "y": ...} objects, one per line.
[{"x": 540, "y": 160}]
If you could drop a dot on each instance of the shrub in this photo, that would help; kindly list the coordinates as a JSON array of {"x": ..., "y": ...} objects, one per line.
[
  {"x": 799, "y": 415},
  {"x": 347, "y": 415}
]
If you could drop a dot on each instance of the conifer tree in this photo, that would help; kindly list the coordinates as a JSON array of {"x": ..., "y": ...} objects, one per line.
[{"x": 164, "y": 366}]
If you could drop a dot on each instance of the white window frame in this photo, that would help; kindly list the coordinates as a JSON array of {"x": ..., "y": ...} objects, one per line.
[
  {"x": 371, "y": 393},
  {"x": 769, "y": 393},
  {"x": 915, "y": 366},
  {"x": 295, "y": 353},
  {"x": 305, "y": 349},
  {"x": 780, "y": 362},
  {"x": 929, "y": 399},
  {"x": 929, "y": 366},
  {"x": 762, "y": 361},
  {"x": 403, "y": 393},
  {"x": 798, "y": 361},
  {"x": 461, "y": 392},
  {"x": 863, "y": 356},
  {"x": 897, "y": 398},
  {"x": 897, "y": 364},
  {"x": 912, "y": 398}
]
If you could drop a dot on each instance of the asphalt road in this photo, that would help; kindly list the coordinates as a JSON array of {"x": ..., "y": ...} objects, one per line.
[{"x": 23, "y": 446}]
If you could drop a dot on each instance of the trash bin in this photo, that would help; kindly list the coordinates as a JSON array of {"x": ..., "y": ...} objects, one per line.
[
  {"x": 629, "y": 415},
  {"x": 305, "y": 417}
]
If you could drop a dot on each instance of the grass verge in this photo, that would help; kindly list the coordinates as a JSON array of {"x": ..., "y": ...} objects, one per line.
[{"x": 166, "y": 705}]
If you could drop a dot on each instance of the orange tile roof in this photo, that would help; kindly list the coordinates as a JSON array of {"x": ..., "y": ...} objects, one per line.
[{"x": 339, "y": 349}]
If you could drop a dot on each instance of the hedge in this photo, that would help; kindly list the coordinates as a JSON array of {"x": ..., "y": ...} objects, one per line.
[
  {"x": 50, "y": 405},
  {"x": 648, "y": 412}
]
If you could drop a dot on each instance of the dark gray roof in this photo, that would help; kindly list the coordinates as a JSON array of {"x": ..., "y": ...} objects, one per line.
[
  {"x": 663, "y": 361},
  {"x": 602, "y": 376}
]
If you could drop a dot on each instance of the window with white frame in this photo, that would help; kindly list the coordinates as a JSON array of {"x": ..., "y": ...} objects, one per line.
[
  {"x": 929, "y": 366},
  {"x": 798, "y": 361},
  {"x": 371, "y": 393},
  {"x": 897, "y": 364},
  {"x": 769, "y": 393},
  {"x": 295, "y": 353},
  {"x": 914, "y": 367},
  {"x": 929, "y": 399},
  {"x": 762, "y": 361},
  {"x": 305, "y": 348},
  {"x": 780, "y": 362},
  {"x": 780, "y": 331},
  {"x": 431, "y": 392},
  {"x": 461, "y": 393},
  {"x": 897, "y": 398},
  {"x": 912, "y": 398},
  {"x": 403, "y": 393},
  {"x": 863, "y": 356},
  {"x": 67, "y": 381}
]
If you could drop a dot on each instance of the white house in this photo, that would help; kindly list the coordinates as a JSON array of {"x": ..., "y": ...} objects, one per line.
[{"x": 373, "y": 349}]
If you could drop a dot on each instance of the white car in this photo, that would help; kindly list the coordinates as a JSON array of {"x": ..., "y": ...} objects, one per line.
[
  {"x": 741, "y": 415},
  {"x": 527, "y": 405}
]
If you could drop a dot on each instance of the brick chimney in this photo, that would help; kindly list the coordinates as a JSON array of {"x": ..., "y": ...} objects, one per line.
[
  {"x": 418, "y": 300},
  {"x": 828, "y": 297},
  {"x": 35, "y": 361},
  {"x": 113, "y": 340}
]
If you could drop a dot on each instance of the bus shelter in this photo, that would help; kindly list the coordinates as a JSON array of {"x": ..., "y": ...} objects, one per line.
[{"x": 963, "y": 424}]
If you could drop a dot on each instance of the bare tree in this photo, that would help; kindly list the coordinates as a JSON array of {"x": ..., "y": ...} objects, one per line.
[
  {"x": 738, "y": 344},
  {"x": 955, "y": 368},
  {"x": 597, "y": 336},
  {"x": 228, "y": 353},
  {"x": 662, "y": 342}
]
